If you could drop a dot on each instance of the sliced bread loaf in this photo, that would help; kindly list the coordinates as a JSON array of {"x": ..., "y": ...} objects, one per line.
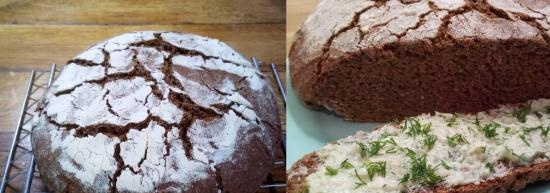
[{"x": 378, "y": 60}]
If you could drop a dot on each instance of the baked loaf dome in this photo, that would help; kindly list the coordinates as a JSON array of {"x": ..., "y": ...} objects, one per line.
[
  {"x": 157, "y": 112},
  {"x": 379, "y": 60}
]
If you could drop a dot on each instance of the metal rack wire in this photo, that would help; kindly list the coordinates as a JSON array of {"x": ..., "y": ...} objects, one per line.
[{"x": 20, "y": 168}]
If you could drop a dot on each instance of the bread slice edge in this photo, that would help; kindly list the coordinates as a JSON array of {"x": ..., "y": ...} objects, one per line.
[{"x": 516, "y": 179}]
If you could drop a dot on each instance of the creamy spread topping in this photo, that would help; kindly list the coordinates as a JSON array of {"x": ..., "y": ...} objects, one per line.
[{"x": 441, "y": 149}]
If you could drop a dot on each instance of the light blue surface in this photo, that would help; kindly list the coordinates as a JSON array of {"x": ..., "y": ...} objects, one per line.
[{"x": 309, "y": 130}]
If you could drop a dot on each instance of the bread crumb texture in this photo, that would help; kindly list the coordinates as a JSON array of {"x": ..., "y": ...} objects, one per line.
[{"x": 156, "y": 111}]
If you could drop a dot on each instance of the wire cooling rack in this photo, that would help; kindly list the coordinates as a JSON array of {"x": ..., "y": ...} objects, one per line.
[{"x": 20, "y": 172}]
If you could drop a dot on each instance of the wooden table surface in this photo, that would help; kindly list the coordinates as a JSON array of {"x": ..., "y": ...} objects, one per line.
[
  {"x": 36, "y": 33},
  {"x": 296, "y": 12}
]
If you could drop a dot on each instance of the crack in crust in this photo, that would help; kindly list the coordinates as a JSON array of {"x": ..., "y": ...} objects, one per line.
[{"x": 161, "y": 45}]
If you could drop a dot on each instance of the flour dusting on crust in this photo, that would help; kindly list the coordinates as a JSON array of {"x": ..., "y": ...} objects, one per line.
[{"x": 125, "y": 116}]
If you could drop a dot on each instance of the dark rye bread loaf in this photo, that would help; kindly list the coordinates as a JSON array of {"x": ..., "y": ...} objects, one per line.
[
  {"x": 157, "y": 112},
  {"x": 379, "y": 60}
]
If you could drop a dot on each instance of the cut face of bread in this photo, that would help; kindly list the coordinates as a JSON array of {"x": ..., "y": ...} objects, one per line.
[
  {"x": 157, "y": 112},
  {"x": 380, "y": 60},
  {"x": 494, "y": 151}
]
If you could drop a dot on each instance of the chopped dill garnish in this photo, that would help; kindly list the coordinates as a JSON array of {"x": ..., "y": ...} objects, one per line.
[
  {"x": 507, "y": 129},
  {"x": 410, "y": 153},
  {"x": 423, "y": 173},
  {"x": 346, "y": 165},
  {"x": 374, "y": 168},
  {"x": 522, "y": 112},
  {"x": 452, "y": 120},
  {"x": 429, "y": 141},
  {"x": 544, "y": 131},
  {"x": 330, "y": 171},
  {"x": 491, "y": 167},
  {"x": 391, "y": 150},
  {"x": 375, "y": 147},
  {"x": 391, "y": 141},
  {"x": 477, "y": 122},
  {"x": 520, "y": 157},
  {"x": 361, "y": 182},
  {"x": 490, "y": 129},
  {"x": 362, "y": 149},
  {"x": 445, "y": 165},
  {"x": 413, "y": 127},
  {"x": 404, "y": 179},
  {"x": 455, "y": 140},
  {"x": 522, "y": 136},
  {"x": 371, "y": 149},
  {"x": 529, "y": 129}
]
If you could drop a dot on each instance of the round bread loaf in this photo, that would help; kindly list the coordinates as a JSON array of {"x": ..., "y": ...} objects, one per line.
[
  {"x": 385, "y": 59},
  {"x": 157, "y": 112}
]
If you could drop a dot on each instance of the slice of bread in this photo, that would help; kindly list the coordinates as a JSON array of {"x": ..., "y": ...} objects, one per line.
[{"x": 499, "y": 150}]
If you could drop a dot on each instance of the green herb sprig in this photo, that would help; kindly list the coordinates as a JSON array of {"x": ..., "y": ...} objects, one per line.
[
  {"x": 491, "y": 167},
  {"x": 522, "y": 112},
  {"x": 544, "y": 130},
  {"x": 375, "y": 147},
  {"x": 374, "y": 168},
  {"x": 456, "y": 139},
  {"x": 421, "y": 172},
  {"x": 331, "y": 171},
  {"x": 361, "y": 181},
  {"x": 429, "y": 141},
  {"x": 452, "y": 120},
  {"x": 445, "y": 165},
  {"x": 413, "y": 127},
  {"x": 362, "y": 149},
  {"x": 346, "y": 165},
  {"x": 522, "y": 137},
  {"x": 490, "y": 130}
]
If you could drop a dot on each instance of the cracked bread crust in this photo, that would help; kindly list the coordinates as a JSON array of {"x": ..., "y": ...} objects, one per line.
[
  {"x": 157, "y": 112},
  {"x": 419, "y": 56}
]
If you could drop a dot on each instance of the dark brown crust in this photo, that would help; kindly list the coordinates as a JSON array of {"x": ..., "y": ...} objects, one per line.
[
  {"x": 516, "y": 179},
  {"x": 406, "y": 78}
]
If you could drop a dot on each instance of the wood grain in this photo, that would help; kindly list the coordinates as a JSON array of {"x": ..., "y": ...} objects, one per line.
[
  {"x": 12, "y": 86},
  {"x": 140, "y": 12},
  {"x": 23, "y": 48},
  {"x": 297, "y": 12}
]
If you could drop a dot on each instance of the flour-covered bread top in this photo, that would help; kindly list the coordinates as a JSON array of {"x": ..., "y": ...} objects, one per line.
[
  {"x": 157, "y": 111},
  {"x": 495, "y": 151},
  {"x": 383, "y": 59}
]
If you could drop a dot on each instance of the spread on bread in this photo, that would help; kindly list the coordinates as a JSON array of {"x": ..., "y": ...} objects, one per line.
[{"x": 444, "y": 150}]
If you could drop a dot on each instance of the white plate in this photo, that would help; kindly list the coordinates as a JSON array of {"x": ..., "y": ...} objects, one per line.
[{"x": 309, "y": 130}]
